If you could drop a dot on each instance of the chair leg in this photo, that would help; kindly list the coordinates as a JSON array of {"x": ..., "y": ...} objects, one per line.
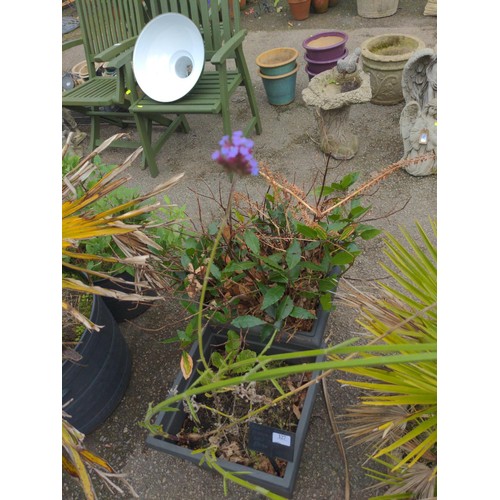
[
  {"x": 247, "y": 81},
  {"x": 95, "y": 131},
  {"x": 145, "y": 128},
  {"x": 184, "y": 126}
]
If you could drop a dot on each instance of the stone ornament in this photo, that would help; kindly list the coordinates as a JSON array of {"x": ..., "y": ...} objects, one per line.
[
  {"x": 384, "y": 57},
  {"x": 332, "y": 93},
  {"x": 418, "y": 122}
]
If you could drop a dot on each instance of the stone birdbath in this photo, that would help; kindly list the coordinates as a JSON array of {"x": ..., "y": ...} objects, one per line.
[{"x": 332, "y": 93}]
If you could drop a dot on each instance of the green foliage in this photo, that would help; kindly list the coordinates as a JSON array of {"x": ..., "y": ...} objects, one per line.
[
  {"x": 276, "y": 263},
  {"x": 398, "y": 411},
  {"x": 234, "y": 353},
  {"x": 69, "y": 162},
  {"x": 164, "y": 226}
]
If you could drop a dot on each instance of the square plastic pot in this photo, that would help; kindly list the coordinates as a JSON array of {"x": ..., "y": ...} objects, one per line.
[
  {"x": 172, "y": 423},
  {"x": 301, "y": 340}
]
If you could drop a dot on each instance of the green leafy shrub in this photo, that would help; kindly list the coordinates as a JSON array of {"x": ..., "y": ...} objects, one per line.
[{"x": 273, "y": 266}]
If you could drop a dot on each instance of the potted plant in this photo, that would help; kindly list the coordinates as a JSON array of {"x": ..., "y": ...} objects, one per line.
[
  {"x": 96, "y": 366},
  {"x": 232, "y": 364},
  {"x": 164, "y": 226},
  {"x": 254, "y": 429},
  {"x": 277, "y": 263}
]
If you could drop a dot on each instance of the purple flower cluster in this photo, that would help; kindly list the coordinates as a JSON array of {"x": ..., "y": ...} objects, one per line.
[{"x": 235, "y": 154}]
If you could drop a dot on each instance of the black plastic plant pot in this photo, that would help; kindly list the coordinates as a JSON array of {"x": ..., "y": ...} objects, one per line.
[
  {"x": 172, "y": 422},
  {"x": 94, "y": 386},
  {"x": 123, "y": 310},
  {"x": 301, "y": 340}
]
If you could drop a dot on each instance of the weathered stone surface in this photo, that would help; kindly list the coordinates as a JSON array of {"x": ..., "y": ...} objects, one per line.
[
  {"x": 418, "y": 122},
  {"x": 332, "y": 93}
]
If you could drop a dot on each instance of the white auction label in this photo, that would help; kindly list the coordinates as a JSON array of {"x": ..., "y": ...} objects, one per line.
[{"x": 281, "y": 439}]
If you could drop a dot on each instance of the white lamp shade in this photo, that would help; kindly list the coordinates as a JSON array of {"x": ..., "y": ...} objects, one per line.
[{"x": 169, "y": 57}]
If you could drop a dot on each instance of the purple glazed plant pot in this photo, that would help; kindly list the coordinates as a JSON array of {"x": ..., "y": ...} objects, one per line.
[
  {"x": 310, "y": 74},
  {"x": 324, "y": 51},
  {"x": 318, "y": 67}
]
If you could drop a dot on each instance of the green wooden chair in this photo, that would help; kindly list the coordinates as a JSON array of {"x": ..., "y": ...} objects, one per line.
[
  {"x": 223, "y": 40},
  {"x": 109, "y": 31}
]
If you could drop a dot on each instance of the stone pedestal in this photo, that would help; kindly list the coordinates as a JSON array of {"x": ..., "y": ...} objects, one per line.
[{"x": 332, "y": 94}]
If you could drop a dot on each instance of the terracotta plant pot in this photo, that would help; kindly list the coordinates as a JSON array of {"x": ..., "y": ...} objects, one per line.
[
  {"x": 277, "y": 61},
  {"x": 320, "y": 6},
  {"x": 384, "y": 58},
  {"x": 299, "y": 9},
  {"x": 374, "y": 9}
]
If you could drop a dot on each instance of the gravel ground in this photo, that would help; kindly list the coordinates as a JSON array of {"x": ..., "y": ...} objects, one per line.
[{"x": 288, "y": 146}]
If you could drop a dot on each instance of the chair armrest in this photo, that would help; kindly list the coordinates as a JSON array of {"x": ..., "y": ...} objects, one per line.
[
  {"x": 121, "y": 59},
  {"x": 226, "y": 50},
  {"x": 115, "y": 50},
  {"x": 71, "y": 43}
]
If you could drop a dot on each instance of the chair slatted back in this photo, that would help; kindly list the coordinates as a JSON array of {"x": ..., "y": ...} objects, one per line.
[
  {"x": 107, "y": 22},
  {"x": 214, "y": 21}
]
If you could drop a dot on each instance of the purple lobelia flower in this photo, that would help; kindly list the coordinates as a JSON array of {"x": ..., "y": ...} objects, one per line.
[{"x": 236, "y": 154}]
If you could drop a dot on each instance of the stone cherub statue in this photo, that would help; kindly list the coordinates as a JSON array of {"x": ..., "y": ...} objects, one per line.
[{"x": 418, "y": 122}]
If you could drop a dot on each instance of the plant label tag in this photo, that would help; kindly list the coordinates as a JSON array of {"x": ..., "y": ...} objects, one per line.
[
  {"x": 271, "y": 441},
  {"x": 282, "y": 439}
]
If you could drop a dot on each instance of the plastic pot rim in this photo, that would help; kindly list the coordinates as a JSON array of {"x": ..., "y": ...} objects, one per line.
[
  {"x": 295, "y": 55},
  {"x": 344, "y": 35},
  {"x": 337, "y": 59},
  {"x": 278, "y": 77}
]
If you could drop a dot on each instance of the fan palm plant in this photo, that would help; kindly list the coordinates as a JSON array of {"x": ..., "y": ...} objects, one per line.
[
  {"x": 397, "y": 414},
  {"x": 80, "y": 222}
]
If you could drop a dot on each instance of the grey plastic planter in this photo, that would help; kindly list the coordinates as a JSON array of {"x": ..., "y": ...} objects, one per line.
[
  {"x": 300, "y": 340},
  {"x": 172, "y": 423}
]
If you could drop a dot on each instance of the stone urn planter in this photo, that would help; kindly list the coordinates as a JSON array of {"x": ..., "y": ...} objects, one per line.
[
  {"x": 332, "y": 93},
  {"x": 383, "y": 58},
  {"x": 374, "y": 9}
]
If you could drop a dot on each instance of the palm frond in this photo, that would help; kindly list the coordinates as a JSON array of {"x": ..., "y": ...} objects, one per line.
[{"x": 397, "y": 413}]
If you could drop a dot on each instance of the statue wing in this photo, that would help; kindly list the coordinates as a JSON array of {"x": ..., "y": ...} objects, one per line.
[{"x": 415, "y": 78}]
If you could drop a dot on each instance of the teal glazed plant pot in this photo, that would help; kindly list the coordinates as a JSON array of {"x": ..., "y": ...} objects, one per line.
[
  {"x": 279, "y": 61},
  {"x": 280, "y": 89}
]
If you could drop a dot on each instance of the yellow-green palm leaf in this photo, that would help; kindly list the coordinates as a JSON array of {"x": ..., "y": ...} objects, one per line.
[{"x": 397, "y": 413}]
